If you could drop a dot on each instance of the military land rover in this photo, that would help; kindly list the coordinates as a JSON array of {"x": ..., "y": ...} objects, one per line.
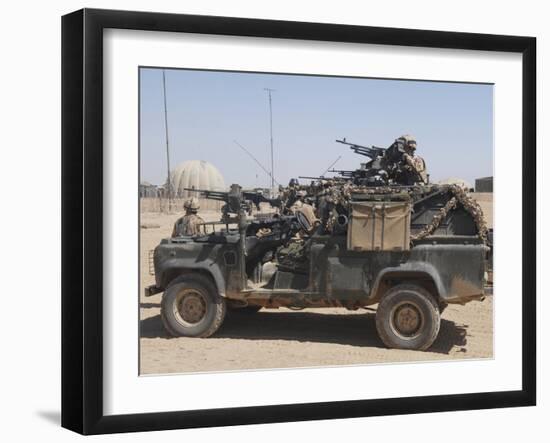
[{"x": 410, "y": 249}]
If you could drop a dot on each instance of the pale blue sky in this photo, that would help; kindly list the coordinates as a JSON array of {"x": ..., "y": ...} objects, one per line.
[{"x": 207, "y": 110}]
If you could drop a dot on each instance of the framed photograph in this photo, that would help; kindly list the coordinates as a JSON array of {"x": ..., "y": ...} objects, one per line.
[{"x": 268, "y": 221}]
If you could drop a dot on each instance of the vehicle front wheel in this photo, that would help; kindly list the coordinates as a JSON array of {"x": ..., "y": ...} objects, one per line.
[
  {"x": 192, "y": 308},
  {"x": 408, "y": 318}
]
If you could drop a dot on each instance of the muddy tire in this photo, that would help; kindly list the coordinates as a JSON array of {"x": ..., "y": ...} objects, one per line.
[
  {"x": 191, "y": 307},
  {"x": 408, "y": 317}
]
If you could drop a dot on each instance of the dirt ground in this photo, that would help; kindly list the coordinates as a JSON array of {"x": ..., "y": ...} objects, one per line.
[{"x": 281, "y": 338}]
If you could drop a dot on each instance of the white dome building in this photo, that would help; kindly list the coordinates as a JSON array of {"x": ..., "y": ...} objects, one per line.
[{"x": 197, "y": 174}]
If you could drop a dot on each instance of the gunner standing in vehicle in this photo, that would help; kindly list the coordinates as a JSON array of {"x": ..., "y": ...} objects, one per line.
[
  {"x": 414, "y": 166},
  {"x": 189, "y": 224}
]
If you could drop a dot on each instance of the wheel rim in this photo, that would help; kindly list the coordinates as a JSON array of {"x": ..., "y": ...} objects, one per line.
[
  {"x": 190, "y": 307},
  {"x": 407, "y": 320}
]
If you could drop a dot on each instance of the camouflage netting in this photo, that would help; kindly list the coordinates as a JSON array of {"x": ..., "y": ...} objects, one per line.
[
  {"x": 335, "y": 195},
  {"x": 473, "y": 208},
  {"x": 436, "y": 220}
]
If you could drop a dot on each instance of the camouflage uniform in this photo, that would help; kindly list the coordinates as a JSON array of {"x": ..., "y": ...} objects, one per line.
[
  {"x": 417, "y": 165},
  {"x": 413, "y": 164},
  {"x": 190, "y": 223},
  {"x": 187, "y": 225}
]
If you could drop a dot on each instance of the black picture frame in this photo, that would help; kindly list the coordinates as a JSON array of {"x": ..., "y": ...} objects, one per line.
[{"x": 82, "y": 217}]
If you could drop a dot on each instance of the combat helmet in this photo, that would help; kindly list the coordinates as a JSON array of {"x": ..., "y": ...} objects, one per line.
[
  {"x": 408, "y": 141},
  {"x": 192, "y": 204}
]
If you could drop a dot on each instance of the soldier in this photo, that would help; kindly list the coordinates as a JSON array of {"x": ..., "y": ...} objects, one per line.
[
  {"x": 189, "y": 223},
  {"x": 414, "y": 166}
]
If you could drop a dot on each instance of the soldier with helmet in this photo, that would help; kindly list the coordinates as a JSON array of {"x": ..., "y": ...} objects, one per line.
[
  {"x": 413, "y": 168},
  {"x": 189, "y": 224}
]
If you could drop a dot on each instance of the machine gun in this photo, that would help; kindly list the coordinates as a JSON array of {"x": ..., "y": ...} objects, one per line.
[
  {"x": 344, "y": 174},
  {"x": 370, "y": 152},
  {"x": 237, "y": 199},
  {"x": 386, "y": 166},
  {"x": 322, "y": 177}
]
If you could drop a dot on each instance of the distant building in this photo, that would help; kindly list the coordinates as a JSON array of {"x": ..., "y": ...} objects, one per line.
[
  {"x": 456, "y": 181},
  {"x": 146, "y": 189},
  {"x": 197, "y": 174},
  {"x": 484, "y": 184}
]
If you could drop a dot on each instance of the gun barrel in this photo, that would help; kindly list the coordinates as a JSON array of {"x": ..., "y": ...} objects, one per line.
[
  {"x": 342, "y": 172},
  {"x": 370, "y": 152},
  {"x": 344, "y": 142},
  {"x": 362, "y": 151},
  {"x": 212, "y": 195}
]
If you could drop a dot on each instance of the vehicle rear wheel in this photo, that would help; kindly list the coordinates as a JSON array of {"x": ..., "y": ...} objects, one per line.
[
  {"x": 408, "y": 318},
  {"x": 192, "y": 308}
]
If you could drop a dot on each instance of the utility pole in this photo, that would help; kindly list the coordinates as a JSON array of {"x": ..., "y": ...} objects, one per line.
[
  {"x": 269, "y": 91},
  {"x": 168, "y": 181}
]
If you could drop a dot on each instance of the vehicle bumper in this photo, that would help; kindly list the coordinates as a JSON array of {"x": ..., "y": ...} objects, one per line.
[{"x": 152, "y": 290}]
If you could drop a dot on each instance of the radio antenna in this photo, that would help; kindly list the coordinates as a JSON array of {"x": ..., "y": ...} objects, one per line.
[
  {"x": 168, "y": 181},
  {"x": 256, "y": 160},
  {"x": 331, "y": 165},
  {"x": 269, "y": 91}
]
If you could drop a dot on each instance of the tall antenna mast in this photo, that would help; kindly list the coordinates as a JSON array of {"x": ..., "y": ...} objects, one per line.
[
  {"x": 269, "y": 91},
  {"x": 167, "y": 144}
]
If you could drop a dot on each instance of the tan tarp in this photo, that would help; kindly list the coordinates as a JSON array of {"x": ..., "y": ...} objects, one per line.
[{"x": 379, "y": 226}]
